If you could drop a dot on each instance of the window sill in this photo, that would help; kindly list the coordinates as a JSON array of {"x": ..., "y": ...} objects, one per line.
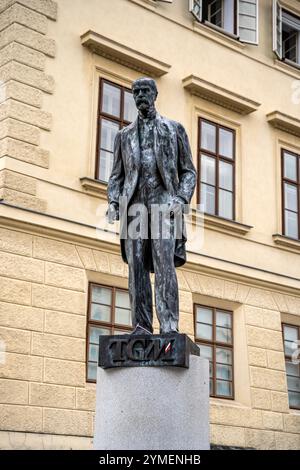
[
  {"x": 220, "y": 96},
  {"x": 287, "y": 242},
  {"x": 123, "y": 54},
  {"x": 289, "y": 67},
  {"x": 284, "y": 122},
  {"x": 221, "y": 36},
  {"x": 149, "y": 4},
  {"x": 94, "y": 187},
  {"x": 219, "y": 224}
]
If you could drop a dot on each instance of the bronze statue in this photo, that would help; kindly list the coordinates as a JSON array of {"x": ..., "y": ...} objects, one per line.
[{"x": 152, "y": 166}]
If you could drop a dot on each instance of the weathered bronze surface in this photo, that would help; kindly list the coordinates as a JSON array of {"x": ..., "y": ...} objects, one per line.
[
  {"x": 146, "y": 350},
  {"x": 152, "y": 167}
]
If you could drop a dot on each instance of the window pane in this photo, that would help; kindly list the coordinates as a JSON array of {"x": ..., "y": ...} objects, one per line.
[
  {"x": 224, "y": 388},
  {"x": 101, "y": 312},
  {"x": 208, "y": 198},
  {"x": 106, "y": 164},
  {"x": 122, "y": 299},
  {"x": 226, "y": 143},
  {"x": 223, "y": 356},
  {"x": 109, "y": 131},
  {"x": 130, "y": 111},
  {"x": 292, "y": 369},
  {"x": 293, "y": 384},
  {"x": 289, "y": 348},
  {"x": 223, "y": 335},
  {"x": 226, "y": 176},
  {"x": 290, "y": 166},
  {"x": 204, "y": 331},
  {"x": 205, "y": 351},
  {"x": 205, "y": 315},
  {"x": 211, "y": 387},
  {"x": 101, "y": 295},
  {"x": 95, "y": 332},
  {"x": 290, "y": 333},
  {"x": 111, "y": 101},
  {"x": 208, "y": 136},
  {"x": 291, "y": 224},
  {"x": 92, "y": 371},
  {"x": 224, "y": 319},
  {"x": 121, "y": 332},
  {"x": 208, "y": 170},
  {"x": 225, "y": 204},
  {"x": 123, "y": 316},
  {"x": 224, "y": 372},
  {"x": 294, "y": 399},
  {"x": 93, "y": 352},
  {"x": 290, "y": 199}
]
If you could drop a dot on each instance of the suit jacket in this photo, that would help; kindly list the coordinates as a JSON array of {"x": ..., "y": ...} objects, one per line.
[{"x": 174, "y": 162}]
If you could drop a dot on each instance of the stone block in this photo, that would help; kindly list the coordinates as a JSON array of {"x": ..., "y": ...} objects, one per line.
[
  {"x": 25, "y": 152},
  {"x": 15, "y": 291},
  {"x": 261, "y": 399},
  {"x": 52, "y": 396},
  {"x": 16, "y": 341},
  {"x": 63, "y": 300},
  {"x": 73, "y": 423},
  {"x": 55, "y": 251},
  {"x": 268, "y": 379},
  {"x": 14, "y": 392},
  {"x": 265, "y": 339},
  {"x": 22, "y": 367},
  {"x": 15, "y": 242},
  {"x": 21, "y": 418},
  {"x": 60, "y": 323},
  {"x": 60, "y": 347},
  {"x": 64, "y": 372},
  {"x": 22, "y": 317},
  {"x": 64, "y": 276},
  {"x": 21, "y": 267},
  {"x": 86, "y": 398},
  {"x": 272, "y": 420}
]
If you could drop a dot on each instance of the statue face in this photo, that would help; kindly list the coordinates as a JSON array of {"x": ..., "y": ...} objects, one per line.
[{"x": 144, "y": 95}]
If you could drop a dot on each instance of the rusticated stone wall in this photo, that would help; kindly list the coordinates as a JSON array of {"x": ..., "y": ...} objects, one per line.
[
  {"x": 43, "y": 307},
  {"x": 24, "y": 50}
]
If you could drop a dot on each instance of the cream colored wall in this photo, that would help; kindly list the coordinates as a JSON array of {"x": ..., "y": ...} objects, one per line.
[{"x": 247, "y": 70}]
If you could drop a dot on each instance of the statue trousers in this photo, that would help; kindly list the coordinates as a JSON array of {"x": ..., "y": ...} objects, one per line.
[{"x": 157, "y": 241}]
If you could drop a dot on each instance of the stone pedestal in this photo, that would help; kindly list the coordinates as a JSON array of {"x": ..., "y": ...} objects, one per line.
[{"x": 153, "y": 408}]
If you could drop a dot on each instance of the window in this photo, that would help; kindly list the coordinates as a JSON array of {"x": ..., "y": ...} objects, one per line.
[
  {"x": 216, "y": 165},
  {"x": 116, "y": 110},
  {"x": 108, "y": 313},
  {"x": 235, "y": 17},
  {"x": 286, "y": 34},
  {"x": 291, "y": 336},
  {"x": 214, "y": 335},
  {"x": 291, "y": 194}
]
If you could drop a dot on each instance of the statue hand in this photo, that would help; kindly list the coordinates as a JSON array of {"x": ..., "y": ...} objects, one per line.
[
  {"x": 177, "y": 206},
  {"x": 112, "y": 213}
]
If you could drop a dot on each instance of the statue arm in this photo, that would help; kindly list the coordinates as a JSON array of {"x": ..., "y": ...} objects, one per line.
[
  {"x": 116, "y": 180},
  {"x": 186, "y": 171}
]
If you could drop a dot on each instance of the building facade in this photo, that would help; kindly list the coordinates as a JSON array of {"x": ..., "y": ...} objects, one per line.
[{"x": 229, "y": 71}]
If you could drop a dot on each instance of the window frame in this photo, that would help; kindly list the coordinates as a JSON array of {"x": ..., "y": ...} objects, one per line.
[
  {"x": 278, "y": 24},
  {"x": 218, "y": 158},
  {"x": 288, "y": 358},
  {"x": 237, "y": 16},
  {"x": 285, "y": 180},
  {"x": 102, "y": 115},
  {"x": 215, "y": 344},
  {"x": 96, "y": 323}
]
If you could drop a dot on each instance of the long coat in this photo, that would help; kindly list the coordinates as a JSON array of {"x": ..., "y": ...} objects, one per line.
[{"x": 174, "y": 162}]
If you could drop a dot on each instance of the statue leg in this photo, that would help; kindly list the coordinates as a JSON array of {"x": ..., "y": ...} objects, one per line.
[
  {"x": 140, "y": 291},
  {"x": 166, "y": 285}
]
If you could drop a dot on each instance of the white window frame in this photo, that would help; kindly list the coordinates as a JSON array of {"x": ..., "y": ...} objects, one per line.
[
  {"x": 278, "y": 22},
  {"x": 196, "y": 8}
]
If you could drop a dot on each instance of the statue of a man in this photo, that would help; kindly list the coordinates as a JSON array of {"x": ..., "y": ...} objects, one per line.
[{"x": 152, "y": 166}]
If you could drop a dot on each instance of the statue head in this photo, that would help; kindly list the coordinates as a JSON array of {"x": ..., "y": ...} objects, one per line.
[{"x": 144, "y": 93}]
